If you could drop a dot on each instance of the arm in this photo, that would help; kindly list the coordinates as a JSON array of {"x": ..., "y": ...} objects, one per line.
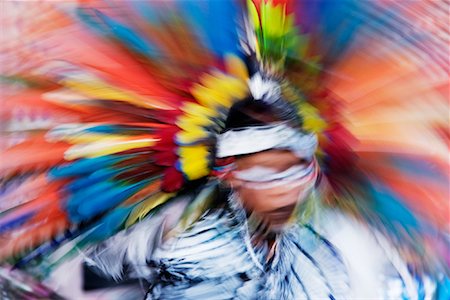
[{"x": 127, "y": 253}]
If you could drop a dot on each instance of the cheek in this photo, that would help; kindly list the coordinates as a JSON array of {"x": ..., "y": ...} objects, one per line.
[
  {"x": 254, "y": 200},
  {"x": 270, "y": 199}
]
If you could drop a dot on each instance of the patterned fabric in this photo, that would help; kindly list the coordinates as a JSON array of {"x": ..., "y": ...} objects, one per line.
[{"x": 216, "y": 260}]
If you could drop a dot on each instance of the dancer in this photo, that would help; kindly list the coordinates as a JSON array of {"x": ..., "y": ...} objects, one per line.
[{"x": 205, "y": 146}]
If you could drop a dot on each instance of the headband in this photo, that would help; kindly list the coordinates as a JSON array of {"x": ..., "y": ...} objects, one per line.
[{"x": 247, "y": 140}]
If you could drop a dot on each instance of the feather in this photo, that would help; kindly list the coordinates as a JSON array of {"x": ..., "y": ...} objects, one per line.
[
  {"x": 32, "y": 155},
  {"x": 30, "y": 210},
  {"x": 107, "y": 147},
  {"x": 146, "y": 206},
  {"x": 104, "y": 133},
  {"x": 83, "y": 166},
  {"x": 197, "y": 207},
  {"x": 215, "y": 17},
  {"x": 27, "y": 190},
  {"x": 107, "y": 195},
  {"x": 128, "y": 36},
  {"x": 194, "y": 161}
]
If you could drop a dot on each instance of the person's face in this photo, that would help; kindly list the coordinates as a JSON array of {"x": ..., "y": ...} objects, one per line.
[{"x": 273, "y": 199}]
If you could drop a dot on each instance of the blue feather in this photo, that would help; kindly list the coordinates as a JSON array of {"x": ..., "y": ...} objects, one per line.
[
  {"x": 340, "y": 22},
  {"x": 129, "y": 37},
  {"x": 110, "y": 224},
  {"x": 443, "y": 289},
  {"x": 215, "y": 21},
  {"x": 336, "y": 22},
  {"x": 104, "y": 129},
  {"x": 45, "y": 248},
  {"x": 392, "y": 210},
  {"x": 148, "y": 10},
  {"x": 419, "y": 167},
  {"x": 92, "y": 179},
  {"x": 110, "y": 196},
  {"x": 15, "y": 222},
  {"x": 83, "y": 166},
  {"x": 84, "y": 195},
  {"x": 86, "y": 16}
]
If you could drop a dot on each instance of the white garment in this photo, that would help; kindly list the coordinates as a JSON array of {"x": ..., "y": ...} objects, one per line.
[{"x": 375, "y": 269}]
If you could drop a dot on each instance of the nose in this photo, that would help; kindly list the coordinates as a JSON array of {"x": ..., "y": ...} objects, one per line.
[{"x": 283, "y": 190}]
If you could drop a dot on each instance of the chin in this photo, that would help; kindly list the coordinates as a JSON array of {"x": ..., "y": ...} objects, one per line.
[{"x": 277, "y": 228}]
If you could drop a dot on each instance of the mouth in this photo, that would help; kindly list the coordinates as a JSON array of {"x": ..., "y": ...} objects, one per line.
[{"x": 280, "y": 215}]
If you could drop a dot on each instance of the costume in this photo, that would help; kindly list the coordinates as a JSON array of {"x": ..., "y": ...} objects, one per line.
[
  {"x": 222, "y": 266},
  {"x": 127, "y": 136}
]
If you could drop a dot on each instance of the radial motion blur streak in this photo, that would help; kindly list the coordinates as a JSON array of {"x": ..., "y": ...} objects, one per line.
[{"x": 110, "y": 110}]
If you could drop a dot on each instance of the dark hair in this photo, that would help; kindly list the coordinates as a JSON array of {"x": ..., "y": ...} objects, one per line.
[{"x": 250, "y": 112}]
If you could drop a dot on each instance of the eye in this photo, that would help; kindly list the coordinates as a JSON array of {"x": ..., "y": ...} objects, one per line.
[{"x": 304, "y": 161}]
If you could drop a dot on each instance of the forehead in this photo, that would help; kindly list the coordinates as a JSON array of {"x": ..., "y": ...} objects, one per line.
[{"x": 275, "y": 159}]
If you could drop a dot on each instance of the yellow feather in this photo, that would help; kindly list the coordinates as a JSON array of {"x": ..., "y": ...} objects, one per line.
[
  {"x": 236, "y": 67},
  {"x": 194, "y": 161},
  {"x": 195, "y": 109},
  {"x": 196, "y": 208},
  {"x": 193, "y": 135},
  {"x": 105, "y": 148},
  {"x": 311, "y": 119},
  {"x": 253, "y": 13},
  {"x": 142, "y": 209},
  {"x": 186, "y": 121},
  {"x": 230, "y": 86},
  {"x": 102, "y": 91},
  {"x": 219, "y": 81},
  {"x": 210, "y": 97},
  {"x": 274, "y": 21}
]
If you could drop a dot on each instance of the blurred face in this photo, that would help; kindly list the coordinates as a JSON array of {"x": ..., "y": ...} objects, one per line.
[{"x": 272, "y": 182}]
